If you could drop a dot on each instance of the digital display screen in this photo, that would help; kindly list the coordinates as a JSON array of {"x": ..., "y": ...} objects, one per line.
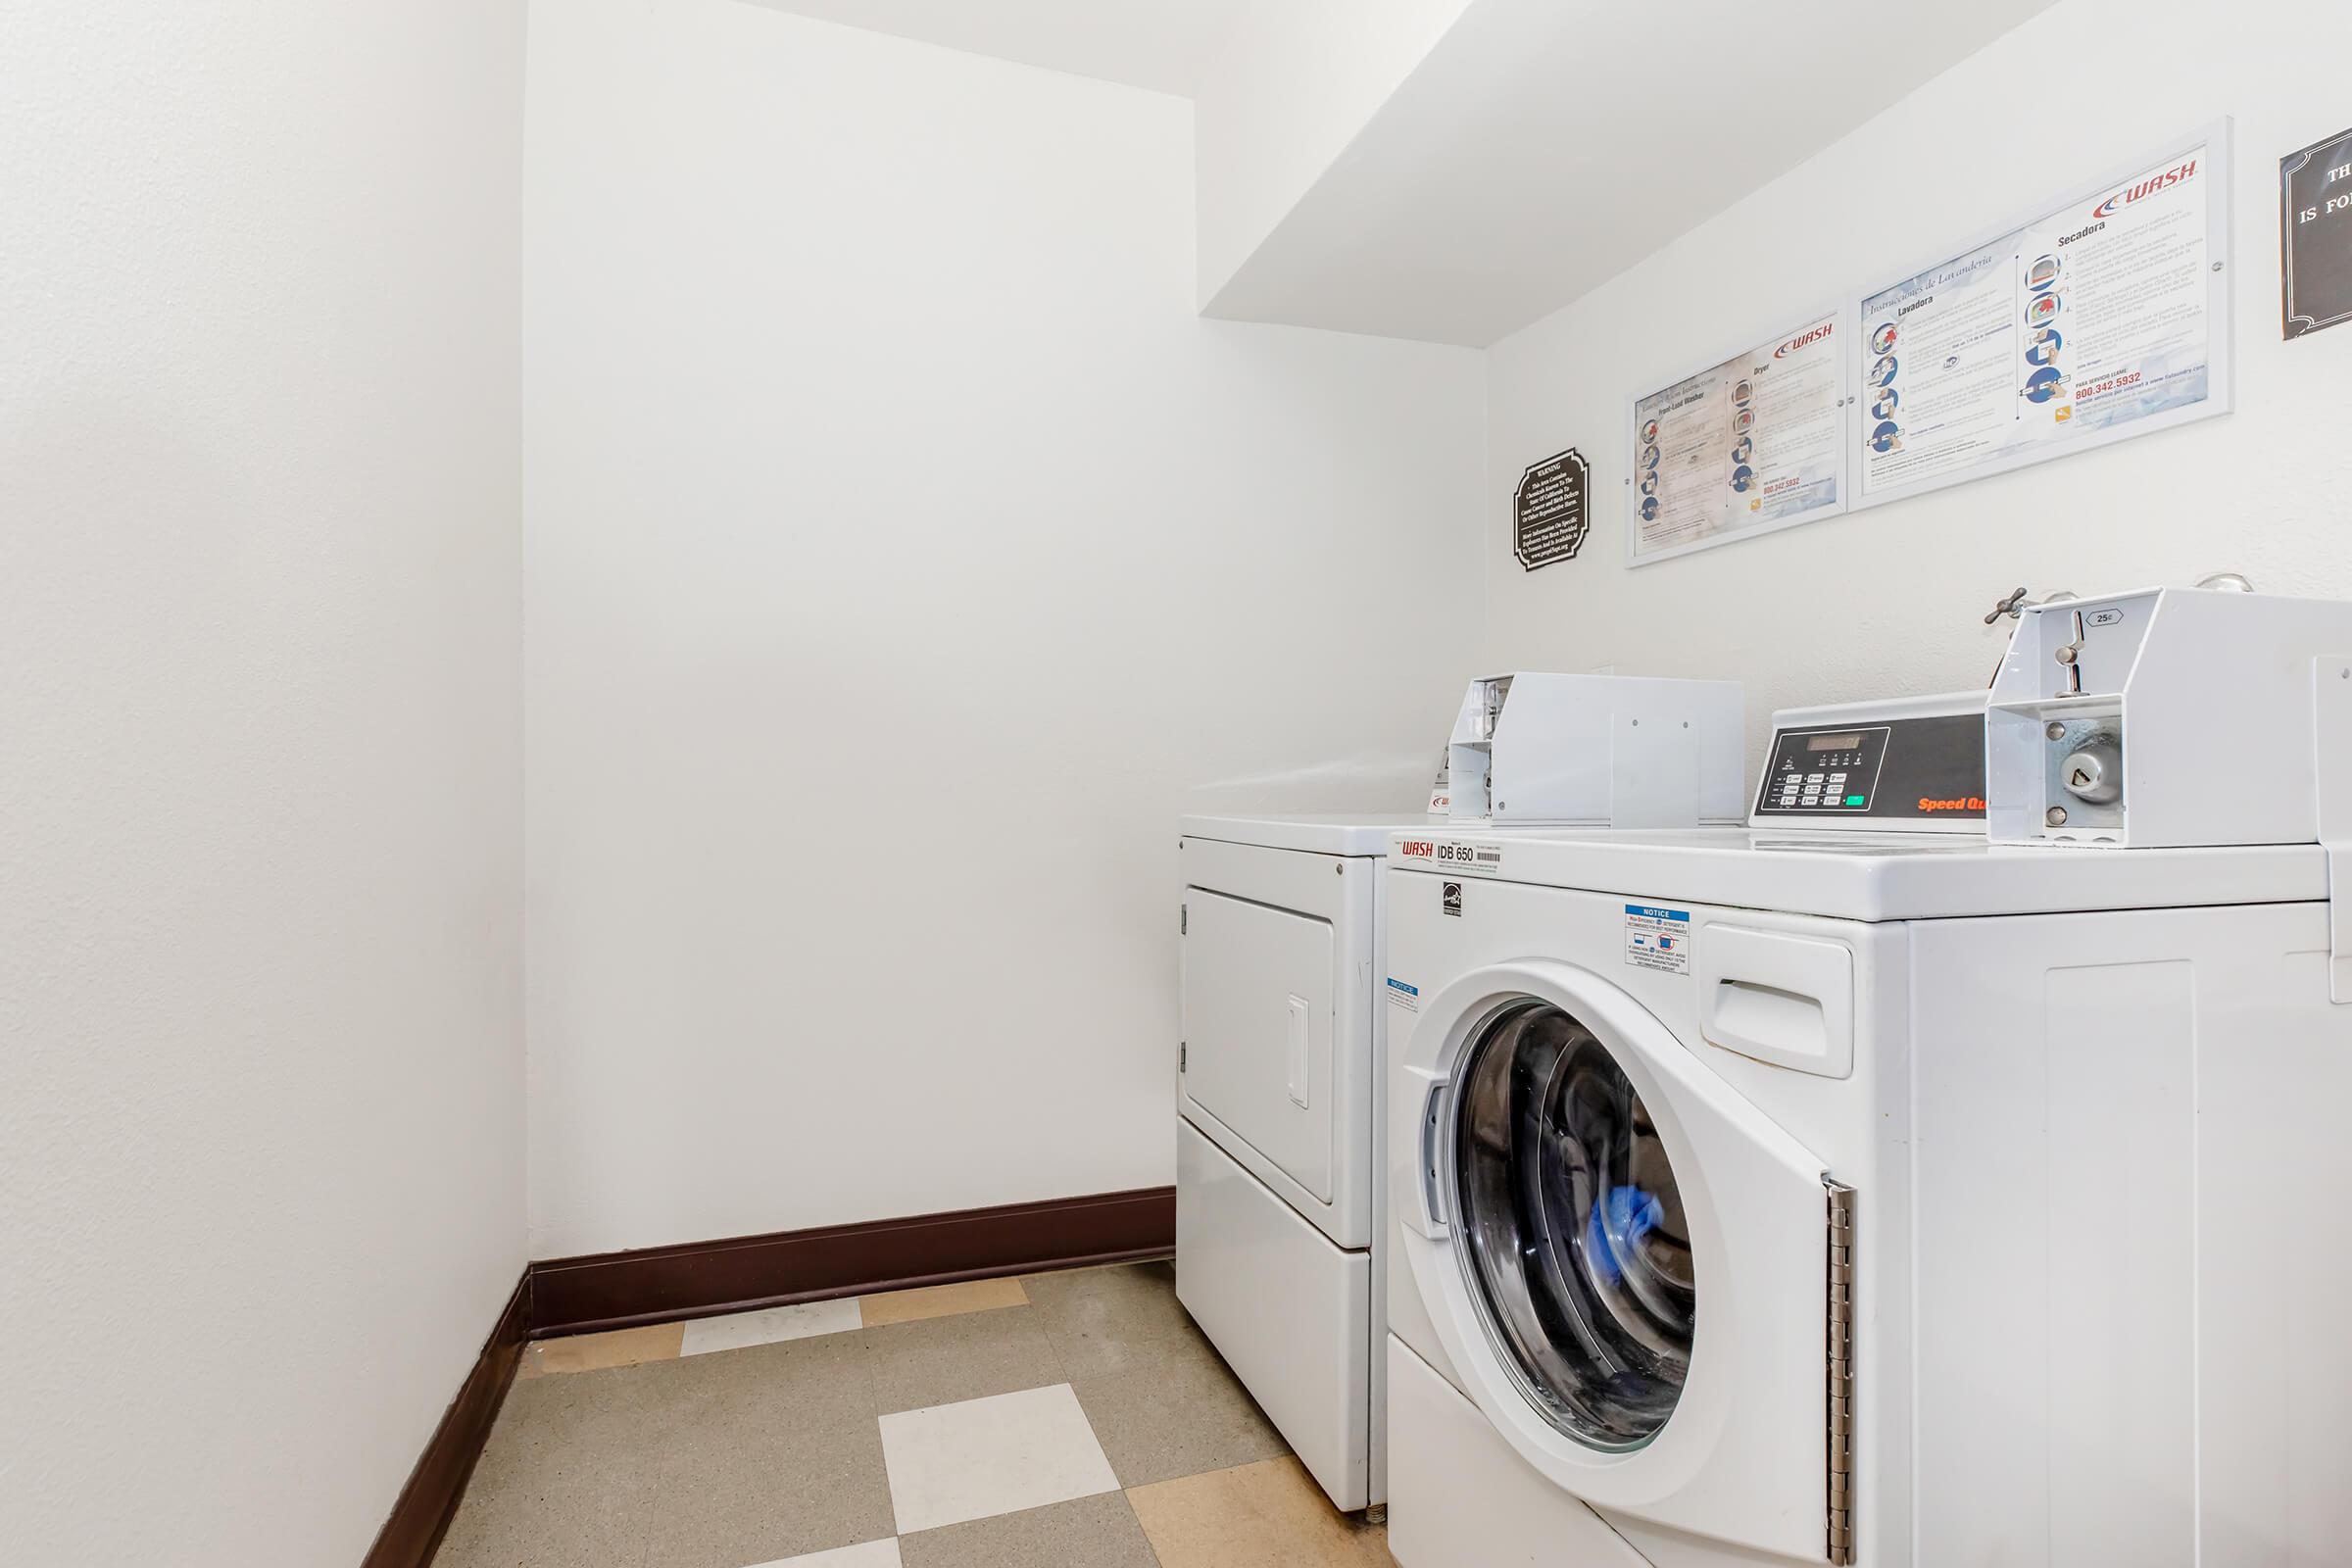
[{"x": 1834, "y": 743}]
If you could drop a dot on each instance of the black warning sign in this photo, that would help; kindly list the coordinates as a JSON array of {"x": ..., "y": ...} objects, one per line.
[
  {"x": 2314, "y": 235},
  {"x": 1549, "y": 512}
]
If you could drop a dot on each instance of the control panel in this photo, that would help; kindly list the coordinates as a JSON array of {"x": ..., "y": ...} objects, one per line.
[
  {"x": 1907, "y": 763},
  {"x": 1824, "y": 770}
]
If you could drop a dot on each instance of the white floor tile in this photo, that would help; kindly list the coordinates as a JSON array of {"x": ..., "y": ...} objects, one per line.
[
  {"x": 869, "y": 1554},
  {"x": 768, "y": 1325},
  {"x": 982, "y": 1457}
]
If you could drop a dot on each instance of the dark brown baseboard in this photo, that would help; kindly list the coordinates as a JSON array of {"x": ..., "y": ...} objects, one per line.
[
  {"x": 420, "y": 1515},
  {"x": 660, "y": 1284}
]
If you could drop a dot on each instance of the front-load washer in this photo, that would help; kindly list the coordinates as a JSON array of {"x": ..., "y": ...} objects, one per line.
[{"x": 1775, "y": 1196}]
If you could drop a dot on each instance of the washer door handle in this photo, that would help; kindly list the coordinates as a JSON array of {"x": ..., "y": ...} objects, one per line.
[{"x": 1427, "y": 1215}]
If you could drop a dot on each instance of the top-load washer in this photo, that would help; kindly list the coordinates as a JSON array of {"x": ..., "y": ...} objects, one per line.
[{"x": 1793, "y": 1196}]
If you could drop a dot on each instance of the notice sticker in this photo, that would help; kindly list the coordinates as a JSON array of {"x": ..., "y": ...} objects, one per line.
[
  {"x": 1403, "y": 996},
  {"x": 1656, "y": 938}
]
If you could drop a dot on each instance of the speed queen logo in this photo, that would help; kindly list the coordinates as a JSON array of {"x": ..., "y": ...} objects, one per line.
[{"x": 1974, "y": 804}]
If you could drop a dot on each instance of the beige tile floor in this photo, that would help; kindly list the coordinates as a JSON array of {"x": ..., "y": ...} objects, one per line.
[{"x": 1069, "y": 1420}]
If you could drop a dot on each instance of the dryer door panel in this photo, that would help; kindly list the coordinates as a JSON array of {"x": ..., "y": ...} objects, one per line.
[{"x": 1257, "y": 1030}]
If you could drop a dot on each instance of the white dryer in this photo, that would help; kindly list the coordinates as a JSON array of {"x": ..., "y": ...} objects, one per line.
[
  {"x": 1779, "y": 1196},
  {"x": 1280, "y": 1191}
]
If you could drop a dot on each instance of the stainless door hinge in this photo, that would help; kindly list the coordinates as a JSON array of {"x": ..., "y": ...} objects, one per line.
[
  {"x": 1841, "y": 1347},
  {"x": 1184, "y": 919},
  {"x": 1182, "y": 1051}
]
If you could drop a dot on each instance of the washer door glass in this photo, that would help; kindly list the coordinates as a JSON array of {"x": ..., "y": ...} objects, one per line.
[{"x": 1575, "y": 1243}]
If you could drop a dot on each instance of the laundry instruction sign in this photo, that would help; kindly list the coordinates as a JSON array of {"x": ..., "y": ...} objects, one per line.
[
  {"x": 1550, "y": 511},
  {"x": 1743, "y": 445},
  {"x": 2314, "y": 235}
]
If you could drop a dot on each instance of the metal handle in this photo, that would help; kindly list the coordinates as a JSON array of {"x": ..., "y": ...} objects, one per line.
[{"x": 2006, "y": 606}]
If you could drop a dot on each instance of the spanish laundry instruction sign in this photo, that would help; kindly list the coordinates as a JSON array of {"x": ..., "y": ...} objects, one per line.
[{"x": 2103, "y": 317}]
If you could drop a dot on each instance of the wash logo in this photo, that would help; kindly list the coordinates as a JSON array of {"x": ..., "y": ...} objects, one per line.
[
  {"x": 2179, "y": 173},
  {"x": 1804, "y": 340},
  {"x": 1417, "y": 849}
]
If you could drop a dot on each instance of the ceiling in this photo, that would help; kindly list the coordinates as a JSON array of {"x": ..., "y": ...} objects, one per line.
[
  {"x": 1540, "y": 148},
  {"x": 1164, "y": 45},
  {"x": 1543, "y": 146}
]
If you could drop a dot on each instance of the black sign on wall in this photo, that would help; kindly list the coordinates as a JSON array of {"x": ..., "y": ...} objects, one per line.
[
  {"x": 1550, "y": 511},
  {"x": 2314, "y": 235}
]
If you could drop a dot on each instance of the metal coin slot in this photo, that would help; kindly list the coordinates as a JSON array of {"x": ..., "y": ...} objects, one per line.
[
  {"x": 2093, "y": 771},
  {"x": 2069, "y": 657},
  {"x": 2082, "y": 774}
]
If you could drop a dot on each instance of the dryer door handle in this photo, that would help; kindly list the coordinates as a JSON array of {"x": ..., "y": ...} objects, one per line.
[{"x": 1426, "y": 1092}]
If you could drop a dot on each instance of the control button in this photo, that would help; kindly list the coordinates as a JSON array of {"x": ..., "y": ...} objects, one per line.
[
  {"x": 1836, "y": 778},
  {"x": 1858, "y": 799}
]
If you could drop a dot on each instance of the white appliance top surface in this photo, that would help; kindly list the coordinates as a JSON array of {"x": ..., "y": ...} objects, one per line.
[
  {"x": 1879, "y": 875},
  {"x": 1316, "y": 833}
]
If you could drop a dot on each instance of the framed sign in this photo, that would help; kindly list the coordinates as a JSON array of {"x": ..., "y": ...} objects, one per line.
[
  {"x": 2315, "y": 236},
  {"x": 1744, "y": 446},
  {"x": 1551, "y": 510},
  {"x": 2104, "y": 316}
]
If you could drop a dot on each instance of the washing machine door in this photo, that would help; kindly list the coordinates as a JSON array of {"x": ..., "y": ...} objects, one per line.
[{"x": 1628, "y": 1264}]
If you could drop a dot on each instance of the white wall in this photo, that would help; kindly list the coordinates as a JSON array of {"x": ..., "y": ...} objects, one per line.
[
  {"x": 1890, "y": 600},
  {"x": 261, "y": 1176},
  {"x": 902, "y": 555}
]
